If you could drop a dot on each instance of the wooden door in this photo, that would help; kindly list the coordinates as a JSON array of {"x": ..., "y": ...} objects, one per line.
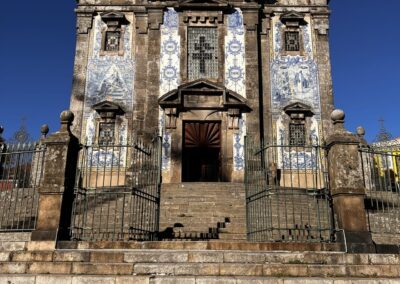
[{"x": 201, "y": 151}]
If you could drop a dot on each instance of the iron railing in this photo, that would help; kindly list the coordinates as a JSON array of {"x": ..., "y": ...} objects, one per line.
[
  {"x": 21, "y": 171},
  {"x": 117, "y": 192},
  {"x": 287, "y": 194},
  {"x": 381, "y": 169}
]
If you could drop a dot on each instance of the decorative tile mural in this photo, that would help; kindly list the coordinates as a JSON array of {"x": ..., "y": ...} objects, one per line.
[
  {"x": 109, "y": 77},
  {"x": 294, "y": 79},
  {"x": 169, "y": 73},
  {"x": 235, "y": 77}
]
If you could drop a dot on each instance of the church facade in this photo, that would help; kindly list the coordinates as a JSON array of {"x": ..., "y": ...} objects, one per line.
[{"x": 203, "y": 75}]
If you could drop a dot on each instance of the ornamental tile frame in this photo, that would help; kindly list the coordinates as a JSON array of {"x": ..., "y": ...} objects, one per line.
[
  {"x": 235, "y": 77},
  {"x": 294, "y": 78},
  {"x": 169, "y": 74}
]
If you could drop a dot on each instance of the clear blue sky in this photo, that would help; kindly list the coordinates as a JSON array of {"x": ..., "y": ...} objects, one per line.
[{"x": 38, "y": 41}]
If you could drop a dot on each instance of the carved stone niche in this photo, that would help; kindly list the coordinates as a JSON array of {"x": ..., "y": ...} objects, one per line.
[
  {"x": 113, "y": 34},
  {"x": 203, "y": 95}
]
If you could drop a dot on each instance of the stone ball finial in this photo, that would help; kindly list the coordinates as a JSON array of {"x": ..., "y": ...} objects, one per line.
[
  {"x": 44, "y": 130},
  {"x": 67, "y": 116},
  {"x": 360, "y": 131},
  {"x": 338, "y": 116}
]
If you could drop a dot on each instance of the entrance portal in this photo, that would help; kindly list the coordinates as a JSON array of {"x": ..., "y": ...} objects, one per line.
[{"x": 201, "y": 151}]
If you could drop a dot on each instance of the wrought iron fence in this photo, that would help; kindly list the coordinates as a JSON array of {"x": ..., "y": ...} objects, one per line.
[
  {"x": 287, "y": 194},
  {"x": 381, "y": 169},
  {"x": 117, "y": 192},
  {"x": 21, "y": 171}
]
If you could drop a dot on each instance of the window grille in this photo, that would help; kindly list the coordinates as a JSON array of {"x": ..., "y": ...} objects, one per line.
[
  {"x": 202, "y": 53},
  {"x": 112, "y": 41},
  {"x": 292, "y": 41},
  {"x": 106, "y": 133},
  {"x": 297, "y": 134}
]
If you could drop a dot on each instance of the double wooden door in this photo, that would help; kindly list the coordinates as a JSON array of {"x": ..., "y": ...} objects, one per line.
[{"x": 201, "y": 159}]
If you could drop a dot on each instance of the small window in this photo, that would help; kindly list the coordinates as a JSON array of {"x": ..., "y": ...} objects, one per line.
[
  {"x": 112, "y": 41},
  {"x": 106, "y": 133},
  {"x": 297, "y": 134},
  {"x": 202, "y": 53},
  {"x": 292, "y": 41}
]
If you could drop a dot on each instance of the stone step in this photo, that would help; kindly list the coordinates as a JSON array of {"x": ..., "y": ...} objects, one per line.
[
  {"x": 159, "y": 279},
  {"x": 199, "y": 256},
  {"x": 202, "y": 269}
]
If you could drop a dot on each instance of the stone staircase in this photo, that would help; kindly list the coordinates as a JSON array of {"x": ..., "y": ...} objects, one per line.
[
  {"x": 189, "y": 262},
  {"x": 203, "y": 211}
]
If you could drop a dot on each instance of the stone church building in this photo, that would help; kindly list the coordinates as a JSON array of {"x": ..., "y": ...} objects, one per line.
[{"x": 203, "y": 75}]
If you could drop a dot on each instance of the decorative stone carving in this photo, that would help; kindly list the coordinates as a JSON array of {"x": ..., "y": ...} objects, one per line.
[{"x": 84, "y": 23}]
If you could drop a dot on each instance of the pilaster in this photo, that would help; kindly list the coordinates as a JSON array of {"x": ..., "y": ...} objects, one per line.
[
  {"x": 84, "y": 26},
  {"x": 347, "y": 186},
  {"x": 56, "y": 190}
]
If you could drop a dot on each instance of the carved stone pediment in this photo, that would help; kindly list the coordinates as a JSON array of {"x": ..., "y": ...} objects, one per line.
[
  {"x": 107, "y": 109},
  {"x": 299, "y": 107},
  {"x": 293, "y": 18},
  {"x": 114, "y": 18},
  {"x": 202, "y": 95}
]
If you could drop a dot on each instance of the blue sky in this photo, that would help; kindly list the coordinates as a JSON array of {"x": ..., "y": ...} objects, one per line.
[{"x": 37, "y": 53}]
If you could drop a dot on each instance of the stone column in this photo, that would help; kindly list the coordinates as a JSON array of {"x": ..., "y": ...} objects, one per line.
[
  {"x": 321, "y": 28},
  {"x": 56, "y": 190},
  {"x": 347, "y": 186},
  {"x": 251, "y": 24}
]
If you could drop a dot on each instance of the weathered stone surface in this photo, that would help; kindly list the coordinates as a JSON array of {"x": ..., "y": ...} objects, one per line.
[
  {"x": 13, "y": 268},
  {"x": 102, "y": 269},
  {"x": 49, "y": 268},
  {"x": 167, "y": 256},
  {"x": 93, "y": 280},
  {"x": 71, "y": 256},
  {"x": 46, "y": 279}
]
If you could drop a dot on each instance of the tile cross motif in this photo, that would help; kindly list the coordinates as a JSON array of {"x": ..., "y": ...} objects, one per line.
[{"x": 202, "y": 46}]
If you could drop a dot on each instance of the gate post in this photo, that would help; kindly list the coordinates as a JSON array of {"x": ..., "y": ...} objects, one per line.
[
  {"x": 347, "y": 186},
  {"x": 57, "y": 187}
]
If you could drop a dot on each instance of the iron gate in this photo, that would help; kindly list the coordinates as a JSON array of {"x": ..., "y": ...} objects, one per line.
[
  {"x": 117, "y": 192},
  {"x": 381, "y": 169},
  {"x": 21, "y": 171},
  {"x": 287, "y": 194}
]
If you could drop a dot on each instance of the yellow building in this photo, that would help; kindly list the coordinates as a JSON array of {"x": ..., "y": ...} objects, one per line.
[{"x": 387, "y": 159}]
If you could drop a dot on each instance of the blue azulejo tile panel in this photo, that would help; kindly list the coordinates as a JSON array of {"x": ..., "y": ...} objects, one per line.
[
  {"x": 294, "y": 78},
  {"x": 235, "y": 65},
  {"x": 169, "y": 73},
  {"x": 235, "y": 77},
  {"x": 111, "y": 78}
]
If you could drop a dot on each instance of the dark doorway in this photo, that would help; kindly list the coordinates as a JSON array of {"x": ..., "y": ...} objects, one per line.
[{"x": 201, "y": 151}]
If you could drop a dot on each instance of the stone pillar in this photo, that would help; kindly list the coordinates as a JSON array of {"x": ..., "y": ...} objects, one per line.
[
  {"x": 84, "y": 26},
  {"x": 251, "y": 25},
  {"x": 321, "y": 35},
  {"x": 347, "y": 186},
  {"x": 56, "y": 190}
]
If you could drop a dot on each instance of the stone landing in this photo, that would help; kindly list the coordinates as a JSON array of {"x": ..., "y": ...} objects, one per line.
[
  {"x": 36, "y": 264},
  {"x": 203, "y": 211}
]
